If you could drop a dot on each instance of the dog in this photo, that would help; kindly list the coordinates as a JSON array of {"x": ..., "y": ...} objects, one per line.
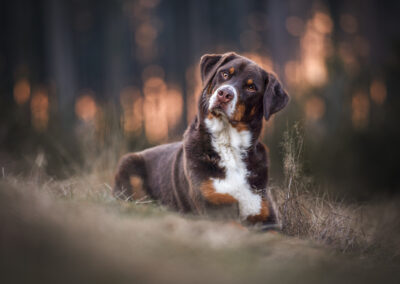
[{"x": 220, "y": 161}]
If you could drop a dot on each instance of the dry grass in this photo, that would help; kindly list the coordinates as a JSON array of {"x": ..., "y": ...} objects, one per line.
[{"x": 305, "y": 213}]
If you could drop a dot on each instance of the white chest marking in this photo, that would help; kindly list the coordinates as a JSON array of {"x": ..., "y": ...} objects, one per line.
[{"x": 231, "y": 146}]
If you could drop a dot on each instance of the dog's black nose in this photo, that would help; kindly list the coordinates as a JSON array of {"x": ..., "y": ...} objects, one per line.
[{"x": 224, "y": 96}]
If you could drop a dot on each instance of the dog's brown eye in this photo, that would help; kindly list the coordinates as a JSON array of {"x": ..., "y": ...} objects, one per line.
[
  {"x": 225, "y": 74},
  {"x": 251, "y": 88}
]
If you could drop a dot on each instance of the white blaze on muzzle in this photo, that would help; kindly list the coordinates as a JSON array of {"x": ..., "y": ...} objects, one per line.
[{"x": 230, "y": 109}]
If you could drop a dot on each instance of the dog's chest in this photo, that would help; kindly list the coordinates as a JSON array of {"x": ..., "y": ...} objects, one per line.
[{"x": 231, "y": 146}]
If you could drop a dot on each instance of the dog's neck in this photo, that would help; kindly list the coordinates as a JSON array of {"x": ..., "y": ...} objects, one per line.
[
  {"x": 227, "y": 141},
  {"x": 225, "y": 136}
]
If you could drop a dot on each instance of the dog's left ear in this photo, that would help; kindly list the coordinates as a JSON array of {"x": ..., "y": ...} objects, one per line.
[{"x": 275, "y": 97}]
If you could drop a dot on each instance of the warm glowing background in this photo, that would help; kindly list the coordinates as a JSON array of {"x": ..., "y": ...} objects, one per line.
[{"x": 129, "y": 69}]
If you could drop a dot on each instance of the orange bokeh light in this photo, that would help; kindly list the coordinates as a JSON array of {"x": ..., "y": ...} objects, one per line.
[
  {"x": 162, "y": 108},
  {"x": 145, "y": 35},
  {"x": 360, "y": 110},
  {"x": 378, "y": 91},
  {"x": 132, "y": 105},
  {"x": 85, "y": 107},
  {"x": 293, "y": 72},
  {"x": 22, "y": 91},
  {"x": 315, "y": 47},
  {"x": 314, "y": 108},
  {"x": 40, "y": 110},
  {"x": 322, "y": 23}
]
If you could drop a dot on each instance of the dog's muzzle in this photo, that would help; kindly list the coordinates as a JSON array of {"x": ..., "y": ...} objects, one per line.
[{"x": 223, "y": 100}]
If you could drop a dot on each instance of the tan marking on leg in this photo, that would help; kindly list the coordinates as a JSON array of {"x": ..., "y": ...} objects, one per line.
[
  {"x": 263, "y": 215},
  {"x": 214, "y": 197},
  {"x": 137, "y": 185}
]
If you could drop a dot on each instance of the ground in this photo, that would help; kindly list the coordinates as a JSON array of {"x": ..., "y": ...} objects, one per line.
[{"x": 74, "y": 231}]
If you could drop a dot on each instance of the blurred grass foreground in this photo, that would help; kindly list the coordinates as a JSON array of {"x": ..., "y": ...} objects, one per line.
[{"x": 74, "y": 230}]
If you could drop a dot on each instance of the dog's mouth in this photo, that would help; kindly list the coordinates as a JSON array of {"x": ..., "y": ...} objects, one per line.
[{"x": 218, "y": 111}]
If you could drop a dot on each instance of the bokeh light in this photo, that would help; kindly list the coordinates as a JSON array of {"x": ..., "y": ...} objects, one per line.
[
  {"x": 378, "y": 91},
  {"x": 22, "y": 91},
  {"x": 40, "y": 110},
  {"x": 85, "y": 106},
  {"x": 132, "y": 106},
  {"x": 360, "y": 110},
  {"x": 314, "y": 108},
  {"x": 162, "y": 108}
]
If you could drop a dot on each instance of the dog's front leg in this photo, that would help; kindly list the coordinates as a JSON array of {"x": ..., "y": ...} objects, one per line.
[
  {"x": 266, "y": 216},
  {"x": 263, "y": 215}
]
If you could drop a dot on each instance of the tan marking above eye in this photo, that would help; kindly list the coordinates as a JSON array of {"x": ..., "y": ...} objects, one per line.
[
  {"x": 231, "y": 70},
  {"x": 249, "y": 81}
]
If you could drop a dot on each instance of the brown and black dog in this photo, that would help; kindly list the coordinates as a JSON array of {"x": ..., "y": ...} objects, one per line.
[{"x": 220, "y": 161}]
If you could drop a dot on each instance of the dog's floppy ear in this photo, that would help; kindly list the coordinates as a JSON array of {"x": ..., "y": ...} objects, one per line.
[
  {"x": 209, "y": 63},
  {"x": 275, "y": 97}
]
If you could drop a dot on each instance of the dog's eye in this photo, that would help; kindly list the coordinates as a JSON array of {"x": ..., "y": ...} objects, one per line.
[
  {"x": 251, "y": 88},
  {"x": 225, "y": 74}
]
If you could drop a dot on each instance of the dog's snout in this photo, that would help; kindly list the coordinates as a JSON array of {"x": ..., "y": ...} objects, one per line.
[
  {"x": 223, "y": 100},
  {"x": 225, "y": 95}
]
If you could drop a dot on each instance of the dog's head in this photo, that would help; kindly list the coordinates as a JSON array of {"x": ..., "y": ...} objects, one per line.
[{"x": 237, "y": 90}]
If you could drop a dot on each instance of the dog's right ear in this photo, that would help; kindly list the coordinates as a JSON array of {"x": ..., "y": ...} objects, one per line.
[{"x": 209, "y": 63}]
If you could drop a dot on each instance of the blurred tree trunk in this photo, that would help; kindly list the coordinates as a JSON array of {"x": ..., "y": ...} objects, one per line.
[{"x": 61, "y": 58}]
